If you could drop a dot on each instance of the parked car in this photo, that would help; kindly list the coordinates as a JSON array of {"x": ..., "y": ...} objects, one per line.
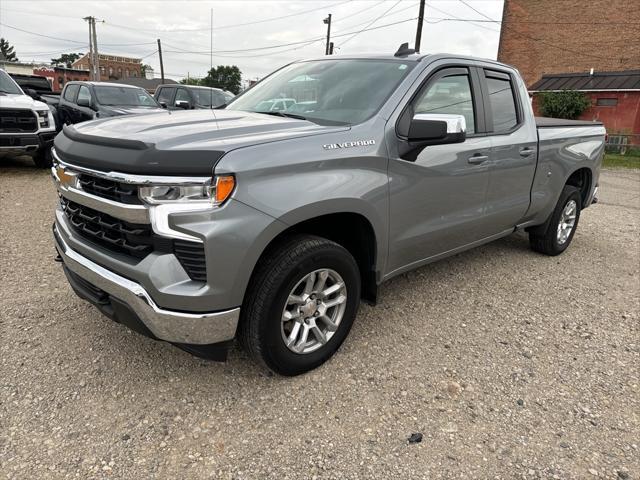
[
  {"x": 39, "y": 88},
  {"x": 27, "y": 126},
  {"x": 189, "y": 97},
  {"x": 82, "y": 101},
  {"x": 271, "y": 227},
  {"x": 276, "y": 104}
]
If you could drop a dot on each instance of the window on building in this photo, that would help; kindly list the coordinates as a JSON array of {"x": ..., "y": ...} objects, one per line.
[
  {"x": 126, "y": 73},
  {"x": 607, "y": 102},
  {"x": 449, "y": 95},
  {"x": 60, "y": 81},
  {"x": 110, "y": 71},
  {"x": 135, "y": 74},
  {"x": 502, "y": 101}
]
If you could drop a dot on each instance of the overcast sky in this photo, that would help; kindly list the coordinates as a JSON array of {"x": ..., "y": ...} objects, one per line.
[{"x": 132, "y": 27}]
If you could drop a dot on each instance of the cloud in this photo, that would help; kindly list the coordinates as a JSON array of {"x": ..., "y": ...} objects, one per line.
[{"x": 132, "y": 27}]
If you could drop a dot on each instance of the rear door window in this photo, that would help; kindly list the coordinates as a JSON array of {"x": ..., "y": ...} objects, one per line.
[
  {"x": 502, "y": 101},
  {"x": 70, "y": 92},
  {"x": 182, "y": 96}
]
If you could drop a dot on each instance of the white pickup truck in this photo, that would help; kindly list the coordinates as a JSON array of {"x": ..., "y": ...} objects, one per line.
[{"x": 26, "y": 125}]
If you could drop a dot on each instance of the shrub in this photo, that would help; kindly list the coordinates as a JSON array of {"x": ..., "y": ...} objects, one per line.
[{"x": 568, "y": 104}]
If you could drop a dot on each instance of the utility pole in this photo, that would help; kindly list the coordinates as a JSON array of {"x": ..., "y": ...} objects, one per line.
[
  {"x": 327, "y": 22},
  {"x": 96, "y": 62},
  {"x": 161, "y": 64},
  {"x": 91, "y": 70},
  {"x": 94, "y": 59},
  {"x": 419, "y": 29}
]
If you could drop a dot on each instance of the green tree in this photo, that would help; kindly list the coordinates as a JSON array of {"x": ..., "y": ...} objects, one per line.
[
  {"x": 66, "y": 59},
  {"x": 191, "y": 81},
  {"x": 567, "y": 104},
  {"x": 6, "y": 51},
  {"x": 143, "y": 69},
  {"x": 226, "y": 77}
]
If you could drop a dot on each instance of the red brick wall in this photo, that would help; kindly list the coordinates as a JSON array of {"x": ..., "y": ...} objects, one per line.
[
  {"x": 570, "y": 36},
  {"x": 624, "y": 118},
  {"x": 113, "y": 67}
]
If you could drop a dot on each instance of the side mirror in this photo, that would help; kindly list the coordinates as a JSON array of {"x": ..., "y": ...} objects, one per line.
[
  {"x": 32, "y": 93},
  {"x": 163, "y": 104},
  {"x": 183, "y": 104},
  {"x": 84, "y": 102},
  {"x": 437, "y": 129}
]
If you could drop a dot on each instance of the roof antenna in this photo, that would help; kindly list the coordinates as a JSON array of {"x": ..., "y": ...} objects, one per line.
[{"x": 404, "y": 50}]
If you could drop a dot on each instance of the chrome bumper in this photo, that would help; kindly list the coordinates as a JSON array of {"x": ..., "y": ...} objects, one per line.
[{"x": 168, "y": 325}]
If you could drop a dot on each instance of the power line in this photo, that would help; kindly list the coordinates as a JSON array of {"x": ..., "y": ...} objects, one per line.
[
  {"x": 223, "y": 27},
  {"x": 201, "y": 52},
  {"x": 74, "y": 41},
  {"x": 506, "y": 26},
  {"x": 369, "y": 24}
]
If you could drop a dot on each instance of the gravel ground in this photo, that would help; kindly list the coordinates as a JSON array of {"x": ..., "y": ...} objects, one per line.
[{"x": 512, "y": 365}]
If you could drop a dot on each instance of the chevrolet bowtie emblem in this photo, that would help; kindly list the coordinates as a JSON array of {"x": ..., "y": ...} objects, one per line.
[{"x": 65, "y": 178}]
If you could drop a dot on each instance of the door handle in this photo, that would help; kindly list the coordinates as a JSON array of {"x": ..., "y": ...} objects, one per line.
[
  {"x": 477, "y": 159},
  {"x": 525, "y": 152}
]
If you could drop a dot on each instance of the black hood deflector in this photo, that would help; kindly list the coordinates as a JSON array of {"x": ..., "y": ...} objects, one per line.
[{"x": 131, "y": 156}]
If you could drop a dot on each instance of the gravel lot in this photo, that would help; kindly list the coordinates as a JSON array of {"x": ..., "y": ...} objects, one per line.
[{"x": 511, "y": 364}]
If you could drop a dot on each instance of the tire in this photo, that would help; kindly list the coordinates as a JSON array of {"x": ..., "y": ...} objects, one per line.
[
  {"x": 281, "y": 272},
  {"x": 43, "y": 158},
  {"x": 551, "y": 242}
]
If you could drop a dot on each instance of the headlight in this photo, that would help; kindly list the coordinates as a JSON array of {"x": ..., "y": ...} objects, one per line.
[
  {"x": 214, "y": 192},
  {"x": 43, "y": 117}
]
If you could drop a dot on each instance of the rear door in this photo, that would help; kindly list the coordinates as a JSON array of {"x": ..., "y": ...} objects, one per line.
[
  {"x": 437, "y": 194},
  {"x": 513, "y": 137}
]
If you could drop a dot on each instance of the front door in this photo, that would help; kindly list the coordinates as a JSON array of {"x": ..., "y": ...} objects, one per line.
[{"x": 437, "y": 195}]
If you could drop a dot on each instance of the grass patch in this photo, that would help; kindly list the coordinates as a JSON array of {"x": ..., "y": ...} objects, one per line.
[{"x": 613, "y": 160}]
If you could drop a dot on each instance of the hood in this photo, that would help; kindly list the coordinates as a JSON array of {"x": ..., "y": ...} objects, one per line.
[
  {"x": 116, "y": 110},
  {"x": 12, "y": 100},
  {"x": 175, "y": 142}
]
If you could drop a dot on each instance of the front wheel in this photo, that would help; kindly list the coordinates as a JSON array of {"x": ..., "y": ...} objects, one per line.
[
  {"x": 562, "y": 224},
  {"x": 300, "y": 305}
]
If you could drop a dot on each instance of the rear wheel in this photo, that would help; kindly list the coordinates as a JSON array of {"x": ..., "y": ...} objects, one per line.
[
  {"x": 300, "y": 305},
  {"x": 562, "y": 224}
]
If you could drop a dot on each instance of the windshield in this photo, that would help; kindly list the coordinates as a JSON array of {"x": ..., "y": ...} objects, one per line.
[
  {"x": 207, "y": 98},
  {"x": 326, "y": 91},
  {"x": 7, "y": 85},
  {"x": 124, "y": 96}
]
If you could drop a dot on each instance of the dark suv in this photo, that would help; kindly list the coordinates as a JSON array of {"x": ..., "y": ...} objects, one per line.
[
  {"x": 188, "y": 97},
  {"x": 81, "y": 101}
]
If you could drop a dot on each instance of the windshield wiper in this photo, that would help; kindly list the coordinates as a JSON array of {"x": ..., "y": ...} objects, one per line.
[{"x": 285, "y": 114}]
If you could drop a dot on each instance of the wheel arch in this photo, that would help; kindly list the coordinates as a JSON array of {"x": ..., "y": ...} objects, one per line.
[
  {"x": 582, "y": 179},
  {"x": 351, "y": 229}
]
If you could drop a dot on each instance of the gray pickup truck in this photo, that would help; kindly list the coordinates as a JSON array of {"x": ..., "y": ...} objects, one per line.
[{"x": 199, "y": 227}]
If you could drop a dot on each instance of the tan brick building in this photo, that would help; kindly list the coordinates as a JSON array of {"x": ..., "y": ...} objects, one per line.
[
  {"x": 570, "y": 36},
  {"x": 113, "y": 67}
]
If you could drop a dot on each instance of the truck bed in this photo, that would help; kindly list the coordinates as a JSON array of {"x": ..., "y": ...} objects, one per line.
[{"x": 548, "y": 122}]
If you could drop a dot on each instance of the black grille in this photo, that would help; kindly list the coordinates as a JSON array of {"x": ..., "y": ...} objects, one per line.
[
  {"x": 110, "y": 189},
  {"x": 111, "y": 233},
  {"x": 135, "y": 240},
  {"x": 18, "y": 121},
  {"x": 191, "y": 257}
]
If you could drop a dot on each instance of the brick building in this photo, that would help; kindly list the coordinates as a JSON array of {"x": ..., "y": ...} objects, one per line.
[
  {"x": 569, "y": 36},
  {"x": 58, "y": 76},
  {"x": 112, "y": 67}
]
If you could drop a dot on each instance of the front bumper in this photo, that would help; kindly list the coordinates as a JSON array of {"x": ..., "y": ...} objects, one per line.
[
  {"x": 26, "y": 142},
  {"x": 118, "y": 296}
]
